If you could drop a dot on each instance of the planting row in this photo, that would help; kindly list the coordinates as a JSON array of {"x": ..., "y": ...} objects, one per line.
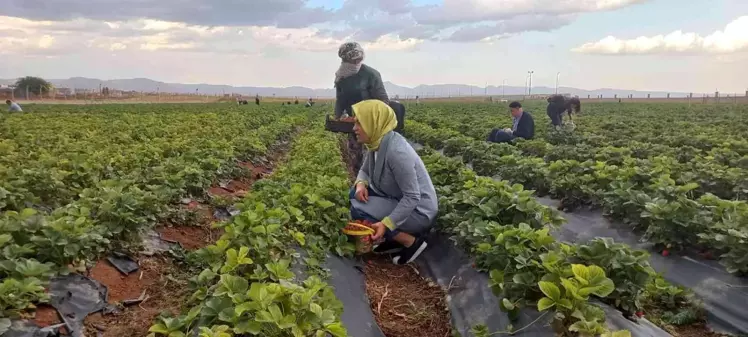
[
  {"x": 47, "y": 159},
  {"x": 707, "y": 154},
  {"x": 641, "y": 193},
  {"x": 671, "y": 126},
  {"x": 249, "y": 284},
  {"x": 112, "y": 202},
  {"x": 508, "y": 233}
]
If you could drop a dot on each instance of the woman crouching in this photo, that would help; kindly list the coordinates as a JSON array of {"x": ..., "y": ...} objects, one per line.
[{"x": 393, "y": 189}]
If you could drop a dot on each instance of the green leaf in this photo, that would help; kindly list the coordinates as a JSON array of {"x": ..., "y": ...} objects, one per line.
[
  {"x": 280, "y": 269},
  {"x": 5, "y": 238},
  {"x": 595, "y": 274},
  {"x": 524, "y": 278},
  {"x": 508, "y": 305},
  {"x": 550, "y": 290},
  {"x": 234, "y": 284},
  {"x": 497, "y": 276},
  {"x": 264, "y": 317},
  {"x": 581, "y": 273},
  {"x": 248, "y": 326},
  {"x": 545, "y": 303},
  {"x": 300, "y": 238},
  {"x": 206, "y": 276},
  {"x": 604, "y": 288},
  {"x": 336, "y": 329},
  {"x": 288, "y": 321},
  {"x": 316, "y": 309},
  {"x": 565, "y": 303},
  {"x": 159, "y": 328},
  {"x": 276, "y": 313}
]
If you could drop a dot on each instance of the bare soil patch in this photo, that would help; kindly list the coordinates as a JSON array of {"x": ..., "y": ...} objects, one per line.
[
  {"x": 404, "y": 303},
  {"x": 46, "y": 315},
  {"x": 190, "y": 237},
  {"x": 164, "y": 286},
  {"x": 119, "y": 286}
]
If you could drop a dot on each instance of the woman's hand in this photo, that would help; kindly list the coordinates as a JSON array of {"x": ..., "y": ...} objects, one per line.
[
  {"x": 508, "y": 130},
  {"x": 379, "y": 229},
  {"x": 362, "y": 193}
]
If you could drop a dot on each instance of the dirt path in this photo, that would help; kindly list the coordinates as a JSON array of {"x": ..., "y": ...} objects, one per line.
[{"x": 404, "y": 303}]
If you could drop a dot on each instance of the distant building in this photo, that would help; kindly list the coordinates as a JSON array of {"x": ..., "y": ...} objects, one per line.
[
  {"x": 6, "y": 92},
  {"x": 78, "y": 91},
  {"x": 64, "y": 91}
]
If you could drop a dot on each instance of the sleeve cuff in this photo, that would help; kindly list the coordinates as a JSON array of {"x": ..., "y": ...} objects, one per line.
[
  {"x": 360, "y": 181},
  {"x": 388, "y": 222}
]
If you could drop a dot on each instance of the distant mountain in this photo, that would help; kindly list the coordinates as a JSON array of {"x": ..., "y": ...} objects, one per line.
[{"x": 437, "y": 90}]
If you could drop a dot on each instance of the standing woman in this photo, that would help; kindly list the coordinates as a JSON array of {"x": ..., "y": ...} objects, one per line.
[{"x": 355, "y": 82}]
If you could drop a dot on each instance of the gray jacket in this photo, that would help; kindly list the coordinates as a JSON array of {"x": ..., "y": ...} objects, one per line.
[{"x": 399, "y": 173}]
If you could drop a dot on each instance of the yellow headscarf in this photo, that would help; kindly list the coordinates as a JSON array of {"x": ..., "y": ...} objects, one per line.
[{"x": 376, "y": 118}]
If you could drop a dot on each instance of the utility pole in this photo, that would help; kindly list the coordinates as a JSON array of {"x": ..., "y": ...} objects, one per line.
[
  {"x": 529, "y": 85},
  {"x": 557, "y": 76},
  {"x": 503, "y": 89}
]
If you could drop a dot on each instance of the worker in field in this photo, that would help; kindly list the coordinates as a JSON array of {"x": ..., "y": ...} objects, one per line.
[
  {"x": 257, "y": 99},
  {"x": 355, "y": 82},
  {"x": 13, "y": 106},
  {"x": 558, "y": 104},
  {"x": 393, "y": 190},
  {"x": 523, "y": 126}
]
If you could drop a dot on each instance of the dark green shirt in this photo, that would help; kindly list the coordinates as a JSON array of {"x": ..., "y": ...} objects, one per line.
[{"x": 366, "y": 84}]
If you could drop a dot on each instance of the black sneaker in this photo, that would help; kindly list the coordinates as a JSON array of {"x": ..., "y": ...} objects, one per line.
[
  {"x": 388, "y": 247},
  {"x": 411, "y": 253}
]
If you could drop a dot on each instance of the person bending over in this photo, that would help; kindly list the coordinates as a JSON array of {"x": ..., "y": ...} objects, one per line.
[
  {"x": 13, "y": 106},
  {"x": 558, "y": 104},
  {"x": 523, "y": 126},
  {"x": 393, "y": 189}
]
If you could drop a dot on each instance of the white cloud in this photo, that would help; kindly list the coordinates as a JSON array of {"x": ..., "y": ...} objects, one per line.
[
  {"x": 459, "y": 11},
  {"x": 392, "y": 42},
  {"x": 732, "y": 39},
  {"x": 156, "y": 35}
]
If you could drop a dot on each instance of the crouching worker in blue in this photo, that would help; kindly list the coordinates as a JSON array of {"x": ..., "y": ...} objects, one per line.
[
  {"x": 523, "y": 126},
  {"x": 393, "y": 189}
]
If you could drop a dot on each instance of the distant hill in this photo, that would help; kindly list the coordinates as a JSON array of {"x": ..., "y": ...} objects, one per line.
[{"x": 437, "y": 90}]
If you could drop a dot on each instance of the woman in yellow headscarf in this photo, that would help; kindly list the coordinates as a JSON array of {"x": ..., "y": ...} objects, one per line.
[{"x": 393, "y": 188}]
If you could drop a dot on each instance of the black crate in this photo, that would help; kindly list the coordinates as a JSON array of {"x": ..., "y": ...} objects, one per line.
[{"x": 338, "y": 126}]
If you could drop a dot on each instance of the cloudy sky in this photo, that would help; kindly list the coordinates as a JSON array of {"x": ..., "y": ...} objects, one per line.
[{"x": 677, "y": 45}]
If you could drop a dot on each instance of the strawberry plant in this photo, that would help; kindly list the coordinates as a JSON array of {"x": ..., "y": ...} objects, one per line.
[
  {"x": 573, "y": 314},
  {"x": 629, "y": 269}
]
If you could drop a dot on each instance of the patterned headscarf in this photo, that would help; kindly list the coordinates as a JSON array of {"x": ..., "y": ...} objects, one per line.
[{"x": 351, "y": 54}]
